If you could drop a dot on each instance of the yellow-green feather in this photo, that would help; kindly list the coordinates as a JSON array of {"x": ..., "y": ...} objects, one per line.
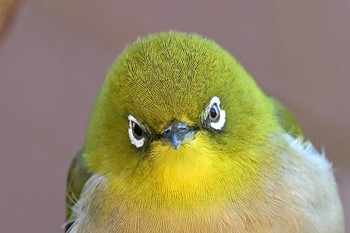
[
  {"x": 77, "y": 176},
  {"x": 287, "y": 120}
]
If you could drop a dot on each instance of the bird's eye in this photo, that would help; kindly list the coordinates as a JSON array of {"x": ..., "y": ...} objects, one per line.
[
  {"x": 214, "y": 113},
  {"x": 216, "y": 116},
  {"x": 136, "y": 130},
  {"x": 136, "y": 133}
]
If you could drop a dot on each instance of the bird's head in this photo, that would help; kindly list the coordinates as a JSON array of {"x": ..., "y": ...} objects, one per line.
[{"x": 178, "y": 103}]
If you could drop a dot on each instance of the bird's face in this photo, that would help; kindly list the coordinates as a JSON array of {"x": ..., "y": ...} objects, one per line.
[
  {"x": 180, "y": 131},
  {"x": 178, "y": 102}
]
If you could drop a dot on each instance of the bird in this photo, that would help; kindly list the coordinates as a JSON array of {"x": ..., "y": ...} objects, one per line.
[{"x": 182, "y": 139}]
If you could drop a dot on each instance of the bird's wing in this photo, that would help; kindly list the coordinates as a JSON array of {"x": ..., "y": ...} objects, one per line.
[
  {"x": 77, "y": 176},
  {"x": 286, "y": 120}
]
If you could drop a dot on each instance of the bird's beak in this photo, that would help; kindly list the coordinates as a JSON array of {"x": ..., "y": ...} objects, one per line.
[{"x": 178, "y": 133}]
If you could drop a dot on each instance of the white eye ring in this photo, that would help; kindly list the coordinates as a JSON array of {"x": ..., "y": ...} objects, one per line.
[
  {"x": 220, "y": 122},
  {"x": 138, "y": 142}
]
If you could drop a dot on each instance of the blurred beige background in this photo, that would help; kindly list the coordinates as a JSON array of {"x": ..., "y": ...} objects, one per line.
[{"x": 55, "y": 54}]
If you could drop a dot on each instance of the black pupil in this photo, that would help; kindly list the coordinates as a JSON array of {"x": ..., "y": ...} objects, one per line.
[
  {"x": 138, "y": 132},
  {"x": 213, "y": 113}
]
